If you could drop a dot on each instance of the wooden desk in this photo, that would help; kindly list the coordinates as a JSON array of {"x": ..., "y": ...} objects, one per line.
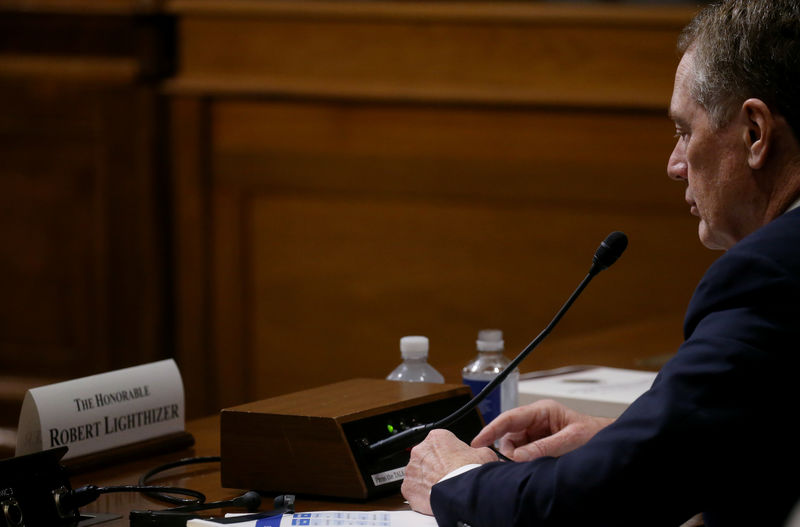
[{"x": 204, "y": 478}]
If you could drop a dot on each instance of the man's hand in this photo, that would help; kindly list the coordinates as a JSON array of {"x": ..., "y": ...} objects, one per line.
[
  {"x": 440, "y": 453},
  {"x": 543, "y": 428}
]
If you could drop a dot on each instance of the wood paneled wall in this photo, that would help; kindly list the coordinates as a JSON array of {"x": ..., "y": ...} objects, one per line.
[
  {"x": 83, "y": 259},
  {"x": 346, "y": 173},
  {"x": 316, "y": 179}
]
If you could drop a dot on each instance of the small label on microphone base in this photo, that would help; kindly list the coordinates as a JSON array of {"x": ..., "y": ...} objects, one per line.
[{"x": 382, "y": 478}]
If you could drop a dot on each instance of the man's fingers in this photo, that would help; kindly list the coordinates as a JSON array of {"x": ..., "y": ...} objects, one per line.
[
  {"x": 511, "y": 421},
  {"x": 558, "y": 444},
  {"x": 532, "y": 420},
  {"x": 549, "y": 446}
]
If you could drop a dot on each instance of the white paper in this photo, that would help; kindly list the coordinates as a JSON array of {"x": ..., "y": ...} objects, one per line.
[
  {"x": 103, "y": 411},
  {"x": 597, "y": 391},
  {"x": 337, "y": 518}
]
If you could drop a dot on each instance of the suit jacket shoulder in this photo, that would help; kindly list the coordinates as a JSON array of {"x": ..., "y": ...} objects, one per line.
[{"x": 709, "y": 436}]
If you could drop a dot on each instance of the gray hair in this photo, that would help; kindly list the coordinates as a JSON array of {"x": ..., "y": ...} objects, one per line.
[{"x": 744, "y": 49}]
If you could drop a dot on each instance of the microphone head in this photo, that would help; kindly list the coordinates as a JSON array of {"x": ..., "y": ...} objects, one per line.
[{"x": 610, "y": 249}]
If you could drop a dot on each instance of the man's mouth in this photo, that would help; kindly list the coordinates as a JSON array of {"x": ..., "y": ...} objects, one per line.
[{"x": 692, "y": 204}]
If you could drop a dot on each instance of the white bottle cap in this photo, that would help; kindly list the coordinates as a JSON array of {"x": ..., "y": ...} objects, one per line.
[
  {"x": 490, "y": 340},
  {"x": 414, "y": 347}
]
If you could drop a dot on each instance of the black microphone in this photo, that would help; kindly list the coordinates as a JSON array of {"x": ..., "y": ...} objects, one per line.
[{"x": 609, "y": 251}]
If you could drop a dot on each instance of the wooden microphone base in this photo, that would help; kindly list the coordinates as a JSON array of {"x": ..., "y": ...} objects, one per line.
[{"x": 313, "y": 441}]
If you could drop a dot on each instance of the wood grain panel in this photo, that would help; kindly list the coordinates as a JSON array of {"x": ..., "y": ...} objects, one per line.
[
  {"x": 358, "y": 224},
  {"x": 547, "y": 156},
  {"x": 341, "y": 281},
  {"x": 82, "y": 259},
  {"x": 368, "y": 170},
  {"x": 189, "y": 132},
  {"x": 532, "y": 54},
  {"x": 68, "y": 281}
]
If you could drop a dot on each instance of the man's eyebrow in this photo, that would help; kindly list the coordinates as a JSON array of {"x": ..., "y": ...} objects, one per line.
[{"x": 676, "y": 119}]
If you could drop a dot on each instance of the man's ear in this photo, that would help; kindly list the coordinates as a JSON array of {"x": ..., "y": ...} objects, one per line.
[{"x": 759, "y": 129}]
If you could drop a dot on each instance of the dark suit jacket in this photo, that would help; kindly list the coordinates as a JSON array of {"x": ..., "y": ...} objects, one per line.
[{"x": 715, "y": 434}]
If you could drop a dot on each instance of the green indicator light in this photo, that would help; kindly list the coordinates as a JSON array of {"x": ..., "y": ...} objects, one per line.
[{"x": 390, "y": 428}]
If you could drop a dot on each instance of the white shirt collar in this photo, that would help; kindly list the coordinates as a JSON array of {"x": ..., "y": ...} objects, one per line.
[{"x": 794, "y": 205}]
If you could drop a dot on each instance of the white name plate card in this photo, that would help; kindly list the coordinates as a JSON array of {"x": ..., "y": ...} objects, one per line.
[{"x": 104, "y": 411}]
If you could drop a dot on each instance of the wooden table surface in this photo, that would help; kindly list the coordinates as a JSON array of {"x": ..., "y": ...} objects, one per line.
[{"x": 201, "y": 477}]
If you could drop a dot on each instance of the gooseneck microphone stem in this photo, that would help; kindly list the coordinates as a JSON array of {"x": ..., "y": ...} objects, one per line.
[
  {"x": 608, "y": 252},
  {"x": 461, "y": 412},
  {"x": 417, "y": 433}
]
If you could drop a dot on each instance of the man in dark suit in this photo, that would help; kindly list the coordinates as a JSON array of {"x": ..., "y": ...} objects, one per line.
[{"x": 715, "y": 434}]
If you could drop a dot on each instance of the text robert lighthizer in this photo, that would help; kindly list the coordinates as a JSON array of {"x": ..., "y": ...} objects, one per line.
[{"x": 112, "y": 424}]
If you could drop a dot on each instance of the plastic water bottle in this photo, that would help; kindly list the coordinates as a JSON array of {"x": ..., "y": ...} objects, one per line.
[
  {"x": 415, "y": 367},
  {"x": 484, "y": 368}
]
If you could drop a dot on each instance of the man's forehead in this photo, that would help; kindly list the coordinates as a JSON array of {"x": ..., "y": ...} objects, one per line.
[{"x": 681, "y": 100}]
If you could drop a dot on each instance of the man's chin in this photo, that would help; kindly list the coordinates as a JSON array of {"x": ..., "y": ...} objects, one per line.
[{"x": 708, "y": 239}]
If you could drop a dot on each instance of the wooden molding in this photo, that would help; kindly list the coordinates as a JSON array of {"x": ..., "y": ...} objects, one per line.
[
  {"x": 70, "y": 69},
  {"x": 462, "y": 53},
  {"x": 86, "y": 7},
  {"x": 521, "y": 12}
]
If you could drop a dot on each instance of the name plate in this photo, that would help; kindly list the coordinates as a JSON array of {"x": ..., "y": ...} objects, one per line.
[{"x": 104, "y": 411}]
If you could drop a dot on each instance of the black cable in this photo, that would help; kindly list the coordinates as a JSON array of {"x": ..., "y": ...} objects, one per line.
[
  {"x": 143, "y": 481},
  {"x": 70, "y": 500},
  {"x": 500, "y": 455},
  {"x": 73, "y": 499}
]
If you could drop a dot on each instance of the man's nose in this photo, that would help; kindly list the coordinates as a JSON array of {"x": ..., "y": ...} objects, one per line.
[{"x": 676, "y": 166}]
